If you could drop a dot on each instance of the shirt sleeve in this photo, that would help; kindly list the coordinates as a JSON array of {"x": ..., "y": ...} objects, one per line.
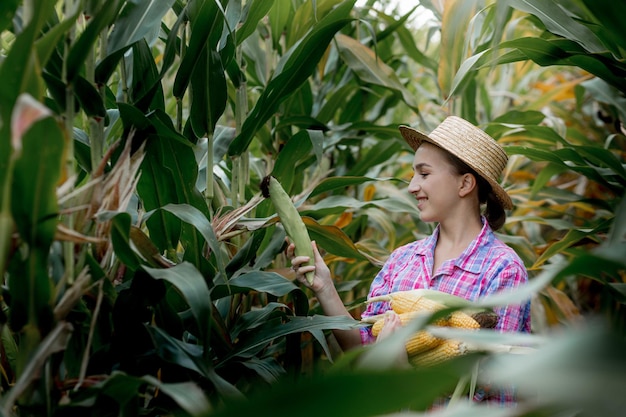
[
  {"x": 514, "y": 317},
  {"x": 380, "y": 285}
]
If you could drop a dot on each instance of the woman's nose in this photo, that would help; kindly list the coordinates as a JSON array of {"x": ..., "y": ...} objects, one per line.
[{"x": 413, "y": 185}]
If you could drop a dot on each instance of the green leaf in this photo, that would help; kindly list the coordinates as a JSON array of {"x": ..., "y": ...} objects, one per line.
[
  {"x": 352, "y": 392},
  {"x": 206, "y": 28},
  {"x": 136, "y": 21},
  {"x": 192, "y": 286},
  {"x": 295, "y": 67},
  {"x": 332, "y": 239},
  {"x": 7, "y": 11},
  {"x": 259, "y": 281},
  {"x": 157, "y": 190},
  {"x": 608, "y": 14},
  {"x": 606, "y": 93},
  {"x": 189, "y": 356},
  {"x": 254, "y": 11},
  {"x": 335, "y": 183},
  {"x": 297, "y": 147},
  {"x": 48, "y": 42},
  {"x": 381, "y": 152},
  {"x": 296, "y": 324},
  {"x": 208, "y": 93},
  {"x": 279, "y": 16},
  {"x": 34, "y": 202},
  {"x": 571, "y": 238},
  {"x": 561, "y": 23},
  {"x": 371, "y": 69},
  {"x": 124, "y": 389},
  {"x": 89, "y": 98},
  {"x": 82, "y": 47},
  {"x": 587, "y": 360},
  {"x": 146, "y": 92},
  {"x": 454, "y": 26},
  {"x": 201, "y": 223},
  {"x": 120, "y": 237}
]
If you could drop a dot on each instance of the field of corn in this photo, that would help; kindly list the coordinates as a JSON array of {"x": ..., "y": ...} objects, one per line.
[{"x": 144, "y": 270}]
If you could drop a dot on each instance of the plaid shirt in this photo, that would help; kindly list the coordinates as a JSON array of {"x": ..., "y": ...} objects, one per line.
[{"x": 487, "y": 266}]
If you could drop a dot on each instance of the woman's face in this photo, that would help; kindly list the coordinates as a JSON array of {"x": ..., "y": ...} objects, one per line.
[{"x": 435, "y": 185}]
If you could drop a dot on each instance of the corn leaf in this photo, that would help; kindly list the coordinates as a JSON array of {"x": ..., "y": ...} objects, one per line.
[
  {"x": 559, "y": 22},
  {"x": 7, "y": 11},
  {"x": 193, "y": 287},
  {"x": 346, "y": 390},
  {"x": 34, "y": 202},
  {"x": 254, "y": 11},
  {"x": 136, "y": 21},
  {"x": 206, "y": 28},
  {"x": 83, "y": 46},
  {"x": 371, "y": 69},
  {"x": 332, "y": 239},
  {"x": 201, "y": 223},
  {"x": 279, "y": 16},
  {"x": 295, "y": 67},
  {"x": 456, "y": 17},
  {"x": 208, "y": 93},
  {"x": 306, "y": 17}
]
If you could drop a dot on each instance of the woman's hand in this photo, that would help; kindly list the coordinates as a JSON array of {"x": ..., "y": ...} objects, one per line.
[
  {"x": 322, "y": 280},
  {"x": 391, "y": 324}
]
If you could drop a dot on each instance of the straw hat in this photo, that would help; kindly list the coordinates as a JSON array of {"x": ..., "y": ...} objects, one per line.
[{"x": 471, "y": 145}]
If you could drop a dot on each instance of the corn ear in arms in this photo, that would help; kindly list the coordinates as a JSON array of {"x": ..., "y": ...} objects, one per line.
[
  {"x": 419, "y": 342},
  {"x": 447, "y": 349},
  {"x": 418, "y": 300},
  {"x": 290, "y": 219}
]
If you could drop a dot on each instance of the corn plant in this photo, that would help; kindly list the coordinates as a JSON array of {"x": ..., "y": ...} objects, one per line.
[{"x": 143, "y": 271}]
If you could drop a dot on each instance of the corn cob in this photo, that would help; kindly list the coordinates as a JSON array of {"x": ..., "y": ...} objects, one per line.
[
  {"x": 404, "y": 319},
  {"x": 445, "y": 350},
  {"x": 415, "y": 300},
  {"x": 407, "y": 301},
  {"x": 463, "y": 320},
  {"x": 290, "y": 219},
  {"x": 419, "y": 342}
]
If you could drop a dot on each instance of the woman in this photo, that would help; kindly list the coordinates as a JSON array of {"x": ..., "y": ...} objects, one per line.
[{"x": 455, "y": 174}]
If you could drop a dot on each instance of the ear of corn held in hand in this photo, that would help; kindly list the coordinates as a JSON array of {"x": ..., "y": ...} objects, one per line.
[
  {"x": 289, "y": 218},
  {"x": 423, "y": 348},
  {"x": 445, "y": 350},
  {"x": 419, "y": 342},
  {"x": 418, "y": 300}
]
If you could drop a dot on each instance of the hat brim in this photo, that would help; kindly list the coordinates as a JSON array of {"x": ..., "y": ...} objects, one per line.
[{"x": 415, "y": 138}]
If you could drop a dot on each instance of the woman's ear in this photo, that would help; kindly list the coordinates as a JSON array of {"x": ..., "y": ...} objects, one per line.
[{"x": 467, "y": 184}]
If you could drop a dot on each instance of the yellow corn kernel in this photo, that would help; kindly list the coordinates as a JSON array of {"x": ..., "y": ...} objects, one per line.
[
  {"x": 445, "y": 350},
  {"x": 402, "y": 303},
  {"x": 421, "y": 342},
  {"x": 405, "y": 301},
  {"x": 463, "y": 320}
]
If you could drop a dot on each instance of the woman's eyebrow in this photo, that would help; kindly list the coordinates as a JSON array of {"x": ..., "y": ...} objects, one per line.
[{"x": 420, "y": 165}]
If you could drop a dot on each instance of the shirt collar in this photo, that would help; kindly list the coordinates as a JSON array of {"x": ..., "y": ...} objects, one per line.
[{"x": 485, "y": 236}]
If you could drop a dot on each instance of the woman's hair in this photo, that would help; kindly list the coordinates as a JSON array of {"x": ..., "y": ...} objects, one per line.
[{"x": 494, "y": 212}]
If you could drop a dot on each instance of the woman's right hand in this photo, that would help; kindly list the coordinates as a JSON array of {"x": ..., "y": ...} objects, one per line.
[
  {"x": 322, "y": 280},
  {"x": 390, "y": 325}
]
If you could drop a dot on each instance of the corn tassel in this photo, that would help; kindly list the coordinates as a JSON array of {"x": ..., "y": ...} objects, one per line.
[
  {"x": 445, "y": 350},
  {"x": 290, "y": 219}
]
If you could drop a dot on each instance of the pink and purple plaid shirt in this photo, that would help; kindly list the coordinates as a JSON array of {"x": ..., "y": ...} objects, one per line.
[{"x": 486, "y": 267}]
